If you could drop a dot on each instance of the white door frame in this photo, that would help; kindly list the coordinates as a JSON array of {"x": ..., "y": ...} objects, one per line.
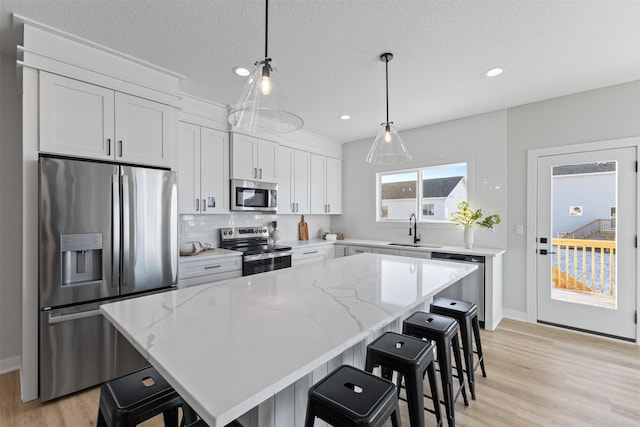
[{"x": 532, "y": 209}]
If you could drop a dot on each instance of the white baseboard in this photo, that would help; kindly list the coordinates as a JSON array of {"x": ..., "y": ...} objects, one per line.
[
  {"x": 515, "y": 315},
  {"x": 9, "y": 364}
]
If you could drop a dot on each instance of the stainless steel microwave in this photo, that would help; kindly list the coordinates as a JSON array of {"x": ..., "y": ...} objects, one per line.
[{"x": 254, "y": 196}]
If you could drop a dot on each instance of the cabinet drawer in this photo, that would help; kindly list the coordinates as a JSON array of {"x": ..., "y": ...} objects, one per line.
[
  {"x": 212, "y": 266},
  {"x": 309, "y": 255}
]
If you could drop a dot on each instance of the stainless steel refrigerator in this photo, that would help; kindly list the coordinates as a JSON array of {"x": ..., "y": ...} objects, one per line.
[{"x": 107, "y": 232}]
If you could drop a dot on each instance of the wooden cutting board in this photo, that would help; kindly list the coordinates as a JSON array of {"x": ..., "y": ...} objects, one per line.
[{"x": 303, "y": 228}]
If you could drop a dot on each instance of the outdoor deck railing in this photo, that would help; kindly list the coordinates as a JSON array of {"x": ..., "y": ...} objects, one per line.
[
  {"x": 579, "y": 268},
  {"x": 604, "y": 227}
]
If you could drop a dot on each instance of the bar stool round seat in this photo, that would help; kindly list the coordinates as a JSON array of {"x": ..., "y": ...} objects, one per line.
[
  {"x": 134, "y": 398},
  {"x": 444, "y": 331},
  {"x": 411, "y": 358},
  {"x": 466, "y": 313},
  {"x": 351, "y": 397}
]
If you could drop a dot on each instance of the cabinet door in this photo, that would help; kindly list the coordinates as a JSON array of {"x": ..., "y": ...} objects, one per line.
[
  {"x": 333, "y": 187},
  {"x": 267, "y": 160},
  {"x": 189, "y": 169},
  {"x": 244, "y": 164},
  {"x": 76, "y": 118},
  {"x": 354, "y": 250},
  {"x": 318, "y": 180},
  {"x": 340, "y": 250},
  {"x": 214, "y": 171},
  {"x": 286, "y": 158},
  {"x": 301, "y": 181},
  {"x": 143, "y": 131}
]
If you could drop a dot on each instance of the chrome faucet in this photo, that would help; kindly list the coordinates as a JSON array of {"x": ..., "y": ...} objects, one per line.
[{"x": 414, "y": 223}]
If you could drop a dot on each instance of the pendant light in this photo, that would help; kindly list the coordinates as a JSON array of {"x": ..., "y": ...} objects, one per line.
[
  {"x": 261, "y": 106},
  {"x": 387, "y": 148}
]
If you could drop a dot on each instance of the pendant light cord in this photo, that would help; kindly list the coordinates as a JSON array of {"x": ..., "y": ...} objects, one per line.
[
  {"x": 266, "y": 29},
  {"x": 386, "y": 67}
]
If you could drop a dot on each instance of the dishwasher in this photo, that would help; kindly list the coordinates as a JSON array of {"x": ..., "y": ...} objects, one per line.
[{"x": 469, "y": 288}]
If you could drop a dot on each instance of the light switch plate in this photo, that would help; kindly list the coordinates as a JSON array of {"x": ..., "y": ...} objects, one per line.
[{"x": 519, "y": 229}]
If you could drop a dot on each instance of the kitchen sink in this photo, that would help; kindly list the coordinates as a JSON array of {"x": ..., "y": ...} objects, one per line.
[{"x": 416, "y": 245}]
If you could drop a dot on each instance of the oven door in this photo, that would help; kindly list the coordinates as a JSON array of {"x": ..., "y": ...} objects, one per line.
[{"x": 259, "y": 263}]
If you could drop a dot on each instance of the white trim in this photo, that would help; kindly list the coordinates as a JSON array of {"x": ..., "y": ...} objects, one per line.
[
  {"x": 69, "y": 36},
  {"x": 532, "y": 191},
  {"x": 10, "y": 364},
  {"x": 520, "y": 316}
]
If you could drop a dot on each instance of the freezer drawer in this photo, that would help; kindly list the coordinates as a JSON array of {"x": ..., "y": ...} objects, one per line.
[{"x": 79, "y": 348}]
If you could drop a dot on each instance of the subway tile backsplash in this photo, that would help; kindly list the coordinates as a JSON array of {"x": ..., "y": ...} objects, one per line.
[{"x": 205, "y": 228}]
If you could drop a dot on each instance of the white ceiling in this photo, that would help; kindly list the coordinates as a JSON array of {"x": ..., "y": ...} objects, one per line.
[{"x": 327, "y": 51}]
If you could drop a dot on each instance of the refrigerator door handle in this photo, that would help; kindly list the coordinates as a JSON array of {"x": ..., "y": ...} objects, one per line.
[
  {"x": 115, "y": 215},
  {"x": 74, "y": 316},
  {"x": 126, "y": 231}
]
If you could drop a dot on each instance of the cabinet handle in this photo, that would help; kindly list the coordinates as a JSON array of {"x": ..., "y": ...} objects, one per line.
[
  {"x": 204, "y": 205},
  {"x": 209, "y": 267},
  {"x": 329, "y": 208},
  {"x": 297, "y": 210},
  {"x": 309, "y": 253},
  {"x": 260, "y": 173},
  {"x": 120, "y": 144},
  {"x": 345, "y": 251},
  {"x": 197, "y": 204},
  {"x": 293, "y": 207},
  {"x": 255, "y": 173},
  {"x": 359, "y": 251},
  {"x": 108, "y": 146}
]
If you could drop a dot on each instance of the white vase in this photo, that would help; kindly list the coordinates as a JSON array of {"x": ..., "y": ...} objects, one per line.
[
  {"x": 275, "y": 235},
  {"x": 468, "y": 237}
]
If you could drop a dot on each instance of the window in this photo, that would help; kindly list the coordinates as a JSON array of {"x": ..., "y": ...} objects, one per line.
[{"x": 436, "y": 190}]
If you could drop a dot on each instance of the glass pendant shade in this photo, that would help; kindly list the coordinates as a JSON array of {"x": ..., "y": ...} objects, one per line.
[
  {"x": 387, "y": 148},
  {"x": 261, "y": 106}
]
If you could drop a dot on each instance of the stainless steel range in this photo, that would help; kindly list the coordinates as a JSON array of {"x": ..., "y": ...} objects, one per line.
[{"x": 258, "y": 255}]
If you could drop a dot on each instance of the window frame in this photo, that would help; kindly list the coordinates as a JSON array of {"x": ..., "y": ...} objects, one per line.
[{"x": 418, "y": 200}]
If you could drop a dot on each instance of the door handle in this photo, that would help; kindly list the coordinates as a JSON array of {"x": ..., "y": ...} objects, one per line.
[{"x": 73, "y": 316}]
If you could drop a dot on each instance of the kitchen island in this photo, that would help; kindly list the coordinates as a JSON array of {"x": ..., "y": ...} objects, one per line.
[{"x": 251, "y": 347}]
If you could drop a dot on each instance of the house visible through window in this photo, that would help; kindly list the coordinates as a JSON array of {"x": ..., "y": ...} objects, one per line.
[{"x": 431, "y": 193}]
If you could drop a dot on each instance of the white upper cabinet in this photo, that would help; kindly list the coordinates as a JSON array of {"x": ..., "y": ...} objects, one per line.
[
  {"x": 203, "y": 174},
  {"x": 293, "y": 181},
  {"x": 83, "y": 120},
  {"x": 253, "y": 159},
  {"x": 76, "y": 118},
  {"x": 326, "y": 185},
  {"x": 142, "y": 131}
]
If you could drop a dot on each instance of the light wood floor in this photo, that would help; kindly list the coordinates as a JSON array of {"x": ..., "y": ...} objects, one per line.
[{"x": 536, "y": 376}]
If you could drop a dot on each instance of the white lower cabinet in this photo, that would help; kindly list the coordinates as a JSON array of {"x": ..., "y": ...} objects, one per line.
[
  {"x": 354, "y": 250},
  {"x": 196, "y": 271},
  {"x": 385, "y": 251},
  {"x": 340, "y": 250},
  {"x": 310, "y": 255}
]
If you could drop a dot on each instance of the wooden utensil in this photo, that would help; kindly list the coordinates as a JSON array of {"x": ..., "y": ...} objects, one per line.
[{"x": 303, "y": 228}]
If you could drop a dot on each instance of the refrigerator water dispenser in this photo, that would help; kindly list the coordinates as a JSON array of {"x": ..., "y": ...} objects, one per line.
[{"x": 81, "y": 258}]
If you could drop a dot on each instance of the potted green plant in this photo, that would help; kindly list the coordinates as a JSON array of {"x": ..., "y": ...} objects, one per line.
[{"x": 467, "y": 217}]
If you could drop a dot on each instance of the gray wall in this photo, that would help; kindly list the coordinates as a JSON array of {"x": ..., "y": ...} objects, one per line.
[
  {"x": 10, "y": 216},
  {"x": 496, "y": 144}
]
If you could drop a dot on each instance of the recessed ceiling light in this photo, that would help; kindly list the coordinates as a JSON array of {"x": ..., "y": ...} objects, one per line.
[
  {"x": 345, "y": 117},
  {"x": 493, "y": 72},
  {"x": 241, "y": 71}
]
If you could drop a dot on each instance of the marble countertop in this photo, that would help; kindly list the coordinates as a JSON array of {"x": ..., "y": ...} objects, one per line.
[
  {"x": 217, "y": 253},
  {"x": 227, "y": 348},
  {"x": 424, "y": 247}
]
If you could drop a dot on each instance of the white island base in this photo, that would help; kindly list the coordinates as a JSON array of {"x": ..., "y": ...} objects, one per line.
[{"x": 250, "y": 348}]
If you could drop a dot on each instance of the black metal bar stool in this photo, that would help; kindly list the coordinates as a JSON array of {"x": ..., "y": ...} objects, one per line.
[
  {"x": 411, "y": 358},
  {"x": 466, "y": 313},
  {"x": 444, "y": 331},
  {"x": 351, "y": 397},
  {"x": 136, "y": 397}
]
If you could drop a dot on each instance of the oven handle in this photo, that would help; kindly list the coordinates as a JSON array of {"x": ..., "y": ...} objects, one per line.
[{"x": 267, "y": 255}]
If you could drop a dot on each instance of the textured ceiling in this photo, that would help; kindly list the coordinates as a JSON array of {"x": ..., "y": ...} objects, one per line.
[{"x": 327, "y": 51}]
